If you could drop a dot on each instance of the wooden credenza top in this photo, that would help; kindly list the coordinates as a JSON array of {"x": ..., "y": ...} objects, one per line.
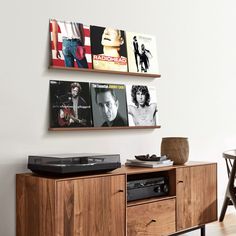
[{"x": 127, "y": 170}]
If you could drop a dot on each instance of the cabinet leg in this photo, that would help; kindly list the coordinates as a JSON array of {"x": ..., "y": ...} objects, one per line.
[{"x": 203, "y": 230}]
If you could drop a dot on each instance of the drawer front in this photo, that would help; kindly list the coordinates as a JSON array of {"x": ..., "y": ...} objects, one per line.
[{"x": 152, "y": 219}]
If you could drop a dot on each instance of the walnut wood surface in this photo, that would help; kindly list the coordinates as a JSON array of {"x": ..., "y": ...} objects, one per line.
[
  {"x": 152, "y": 219},
  {"x": 148, "y": 200},
  {"x": 95, "y": 206},
  {"x": 106, "y": 71},
  {"x": 34, "y": 203},
  {"x": 102, "y": 128},
  {"x": 196, "y": 196}
]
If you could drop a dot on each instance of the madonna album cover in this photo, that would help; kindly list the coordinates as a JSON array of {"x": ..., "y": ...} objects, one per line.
[
  {"x": 70, "y": 104},
  {"x": 142, "y": 105},
  {"x": 70, "y": 44},
  {"x": 142, "y": 53},
  {"x": 108, "y": 49}
]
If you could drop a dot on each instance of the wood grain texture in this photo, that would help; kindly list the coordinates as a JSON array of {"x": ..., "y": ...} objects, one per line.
[
  {"x": 35, "y": 206},
  {"x": 152, "y": 219},
  {"x": 20, "y": 205},
  {"x": 196, "y": 196},
  {"x": 102, "y": 128},
  {"x": 93, "y": 206},
  {"x": 106, "y": 71}
]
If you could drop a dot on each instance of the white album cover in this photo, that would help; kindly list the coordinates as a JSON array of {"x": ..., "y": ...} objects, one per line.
[
  {"x": 142, "y": 53},
  {"x": 142, "y": 105}
]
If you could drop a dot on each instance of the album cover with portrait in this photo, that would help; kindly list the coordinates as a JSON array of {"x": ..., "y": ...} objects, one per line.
[
  {"x": 70, "y": 44},
  {"x": 109, "y": 107},
  {"x": 142, "y": 53},
  {"x": 70, "y": 104},
  {"x": 142, "y": 105},
  {"x": 108, "y": 49}
]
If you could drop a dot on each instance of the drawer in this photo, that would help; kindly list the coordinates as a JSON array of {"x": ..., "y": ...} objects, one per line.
[{"x": 151, "y": 219}]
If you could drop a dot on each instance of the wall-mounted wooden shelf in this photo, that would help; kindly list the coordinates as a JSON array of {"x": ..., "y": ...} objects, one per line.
[
  {"x": 106, "y": 71},
  {"x": 102, "y": 128}
]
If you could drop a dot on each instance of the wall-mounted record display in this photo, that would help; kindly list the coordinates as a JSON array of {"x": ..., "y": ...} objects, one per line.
[
  {"x": 77, "y": 46},
  {"x": 81, "y": 105},
  {"x": 93, "y": 106}
]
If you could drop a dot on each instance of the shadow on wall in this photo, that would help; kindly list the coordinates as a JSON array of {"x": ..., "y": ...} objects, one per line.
[{"x": 7, "y": 196}]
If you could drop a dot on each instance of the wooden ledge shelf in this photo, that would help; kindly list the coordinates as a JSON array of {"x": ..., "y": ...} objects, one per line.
[
  {"x": 102, "y": 128},
  {"x": 106, "y": 71}
]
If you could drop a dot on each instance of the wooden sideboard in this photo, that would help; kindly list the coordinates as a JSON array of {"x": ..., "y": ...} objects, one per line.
[{"x": 96, "y": 205}]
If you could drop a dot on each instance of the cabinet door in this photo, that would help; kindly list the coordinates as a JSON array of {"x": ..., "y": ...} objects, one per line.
[
  {"x": 196, "y": 195},
  {"x": 91, "y": 206}
]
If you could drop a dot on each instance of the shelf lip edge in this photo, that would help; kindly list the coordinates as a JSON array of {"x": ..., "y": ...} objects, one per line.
[
  {"x": 103, "y": 128},
  {"x": 105, "y": 71}
]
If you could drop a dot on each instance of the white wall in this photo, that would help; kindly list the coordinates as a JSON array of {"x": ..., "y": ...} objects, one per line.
[{"x": 196, "y": 94}]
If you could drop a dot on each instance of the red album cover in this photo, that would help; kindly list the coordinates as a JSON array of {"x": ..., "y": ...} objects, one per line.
[{"x": 70, "y": 44}]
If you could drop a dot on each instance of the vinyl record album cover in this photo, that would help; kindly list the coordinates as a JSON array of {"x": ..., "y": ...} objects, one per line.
[
  {"x": 109, "y": 105},
  {"x": 142, "y": 105},
  {"x": 70, "y": 44},
  {"x": 142, "y": 53},
  {"x": 108, "y": 49},
  {"x": 69, "y": 104}
]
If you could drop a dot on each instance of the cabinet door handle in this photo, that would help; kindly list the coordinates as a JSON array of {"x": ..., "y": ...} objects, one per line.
[
  {"x": 120, "y": 190},
  {"x": 180, "y": 181},
  {"x": 151, "y": 221}
]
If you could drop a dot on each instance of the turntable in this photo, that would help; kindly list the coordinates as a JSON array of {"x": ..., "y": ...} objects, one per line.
[{"x": 73, "y": 163}]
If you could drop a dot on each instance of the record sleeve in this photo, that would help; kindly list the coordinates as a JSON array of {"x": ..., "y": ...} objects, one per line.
[
  {"x": 109, "y": 107},
  {"x": 142, "y": 105},
  {"x": 108, "y": 49},
  {"x": 70, "y": 44},
  {"x": 70, "y": 104},
  {"x": 142, "y": 53}
]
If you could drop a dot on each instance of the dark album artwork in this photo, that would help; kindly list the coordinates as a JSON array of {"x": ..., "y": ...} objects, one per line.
[
  {"x": 70, "y": 44},
  {"x": 142, "y": 105},
  {"x": 70, "y": 104},
  {"x": 108, "y": 49},
  {"x": 142, "y": 53},
  {"x": 109, "y": 105}
]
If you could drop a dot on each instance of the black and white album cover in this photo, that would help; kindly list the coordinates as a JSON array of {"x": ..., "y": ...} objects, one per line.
[
  {"x": 142, "y": 105},
  {"x": 108, "y": 49},
  {"x": 142, "y": 53},
  {"x": 70, "y": 104},
  {"x": 109, "y": 105}
]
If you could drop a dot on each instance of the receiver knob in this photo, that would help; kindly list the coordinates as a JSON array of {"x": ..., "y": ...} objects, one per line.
[
  {"x": 157, "y": 189},
  {"x": 165, "y": 188}
]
